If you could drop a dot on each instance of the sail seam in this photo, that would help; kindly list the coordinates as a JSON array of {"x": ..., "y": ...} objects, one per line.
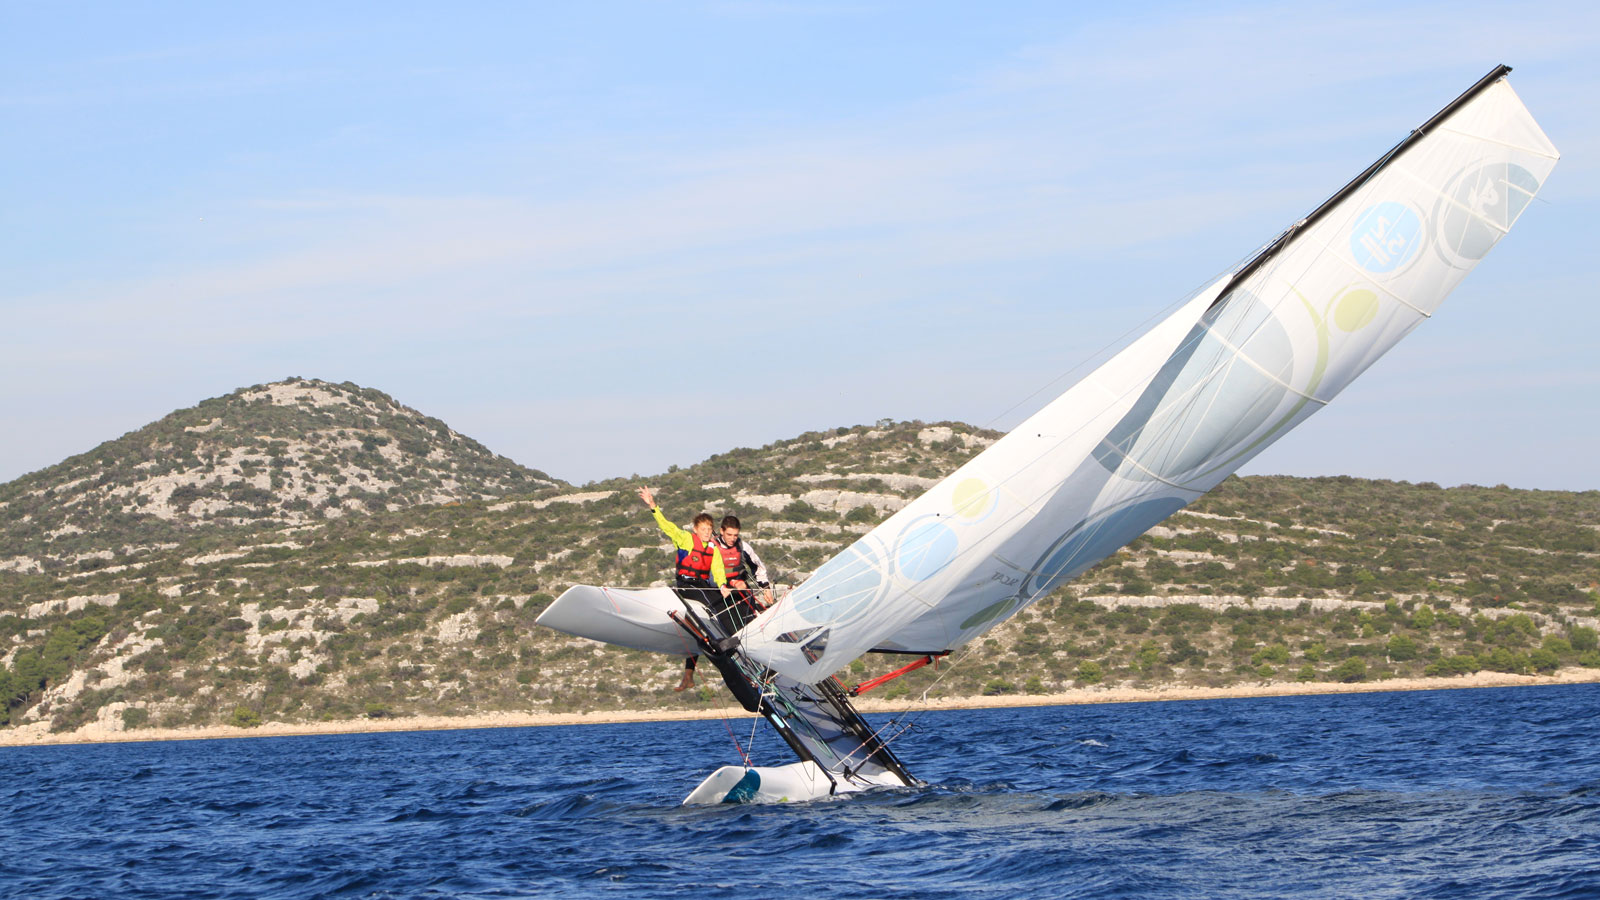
[
  {"x": 1367, "y": 278},
  {"x": 1504, "y": 230},
  {"x": 1239, "y": 354},
  {"x": 1507, "y": 144},
  {"x": 1153, "y": 476}
]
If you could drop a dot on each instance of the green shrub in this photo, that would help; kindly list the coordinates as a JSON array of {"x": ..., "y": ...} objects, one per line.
[
  {"x": 1459, "y": 664},
  {"x": 244, "y": 717},
  {"x": 1503, "y": 660},
  {"x": 1089, "y": 672},
  {"x": 998, "y": 686},
  {"x": 1543, "y": 661},
  {"x": 1401, "y": 648},
  {"x": 1272, "y": 653},
  {"x": 860, "y": 515},
  {"x": 135, "y": 717},
  {"x": 1351, "y": 670}
]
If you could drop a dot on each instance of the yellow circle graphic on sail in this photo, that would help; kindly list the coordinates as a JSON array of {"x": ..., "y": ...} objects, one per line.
[
  {"x": 1356, "y": 310},
  {"x": 972, "y": 499}
]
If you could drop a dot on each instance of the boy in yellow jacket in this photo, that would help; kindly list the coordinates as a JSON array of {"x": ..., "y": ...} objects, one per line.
[{"x": 699, "y": 568}]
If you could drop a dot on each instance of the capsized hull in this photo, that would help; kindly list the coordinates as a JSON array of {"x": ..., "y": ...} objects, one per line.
[
  {"x": 640, "y": 619},
  {"x": 780, "y": 784}
]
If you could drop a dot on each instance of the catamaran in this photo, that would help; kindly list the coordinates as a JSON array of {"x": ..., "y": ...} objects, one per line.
[{"x": 1242, "y": 361}]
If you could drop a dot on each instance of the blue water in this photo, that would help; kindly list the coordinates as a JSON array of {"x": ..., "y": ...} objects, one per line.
[{"x": 1469, "y": 794}]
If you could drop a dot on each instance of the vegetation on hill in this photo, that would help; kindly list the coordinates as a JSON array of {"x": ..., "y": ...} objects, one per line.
[
  {"x": 420, "y": 606},
  {"x": 291, "y": 453}
]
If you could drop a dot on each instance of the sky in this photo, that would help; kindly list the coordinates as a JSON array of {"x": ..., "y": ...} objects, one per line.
[{"x": 608, "y": 238}]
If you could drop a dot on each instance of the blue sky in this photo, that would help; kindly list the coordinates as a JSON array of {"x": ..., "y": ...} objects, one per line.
[{"x": 608, "y": 238}]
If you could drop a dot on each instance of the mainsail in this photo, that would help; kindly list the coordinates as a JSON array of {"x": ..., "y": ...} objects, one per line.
[{"x": 1168, "y": 418}]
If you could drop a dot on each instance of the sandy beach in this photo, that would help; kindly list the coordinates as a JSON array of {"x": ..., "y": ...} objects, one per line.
[{"x": 38, "y": 734}]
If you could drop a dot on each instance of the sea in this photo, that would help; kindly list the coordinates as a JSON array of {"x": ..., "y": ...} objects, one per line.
[{"x": 1482, "y": 793}]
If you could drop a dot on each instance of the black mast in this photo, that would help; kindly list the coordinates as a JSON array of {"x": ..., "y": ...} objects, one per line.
[{"x": 1394, "y": 153}]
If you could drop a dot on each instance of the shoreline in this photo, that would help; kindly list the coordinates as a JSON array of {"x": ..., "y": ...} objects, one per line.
[{"x": 36, "y": 734}]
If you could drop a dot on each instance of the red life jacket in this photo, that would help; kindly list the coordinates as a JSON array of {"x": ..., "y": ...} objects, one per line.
[
  {"x": 732, "y": 561},
  {"x": 696, "y": 563}
]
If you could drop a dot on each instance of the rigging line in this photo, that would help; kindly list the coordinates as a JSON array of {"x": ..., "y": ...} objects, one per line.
[
  {"x": 1194, "y": 336},
  {"x": 909, "y": 716},
  {"x": 742, "y": 755},
  {"x": 907, "y": 720},
  {"x": 1361, "y": 182},
  {"x": 755, "y": 723},
  {"x": 1122, "y": 338},
  {"x": 1050, "y": 448},
  {"x": 1092, "y": 357},
  {"x": 1029, "y": 506},
  {"x": 876, "y": 734},
  {"x": 1281, "y": 300}
]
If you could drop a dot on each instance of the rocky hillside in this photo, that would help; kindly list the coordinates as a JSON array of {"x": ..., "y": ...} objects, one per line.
[
  {"x": 429, "y": 609},
  {"x": 273, "y": 456}
]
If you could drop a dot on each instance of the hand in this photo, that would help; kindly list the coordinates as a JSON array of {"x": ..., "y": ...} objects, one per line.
[
  {"x": 725, "y": 592},
  {"x": 766, "y": 597},
  {"x": 648, "y": 498},
  {"x": 738, "y": 583}
]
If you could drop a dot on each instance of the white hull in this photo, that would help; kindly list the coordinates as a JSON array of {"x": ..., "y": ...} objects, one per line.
[
  {"x": 779, "y": 784},
  {"x": 628, "y": 618}
]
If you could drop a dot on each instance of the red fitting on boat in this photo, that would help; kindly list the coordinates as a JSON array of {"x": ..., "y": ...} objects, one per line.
[{"x": 865, "y": 686}]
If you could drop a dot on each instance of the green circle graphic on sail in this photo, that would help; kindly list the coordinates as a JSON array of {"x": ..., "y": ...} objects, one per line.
[
  {"x": 973, "y": 500},
  {"x": 1355, "y": 309}
]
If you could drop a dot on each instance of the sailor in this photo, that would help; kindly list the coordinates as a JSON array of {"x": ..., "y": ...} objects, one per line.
[
  {"x": 746, "y": 573},
  {"x": 700, "y": 574}
]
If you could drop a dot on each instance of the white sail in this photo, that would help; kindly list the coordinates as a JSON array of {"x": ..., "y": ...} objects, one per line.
[{"x": 1176, "y": 412}]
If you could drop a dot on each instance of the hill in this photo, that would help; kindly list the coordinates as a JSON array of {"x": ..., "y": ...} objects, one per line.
[
  {"x": 429, "y": 609},
  {"x": 272, "y": 456}
]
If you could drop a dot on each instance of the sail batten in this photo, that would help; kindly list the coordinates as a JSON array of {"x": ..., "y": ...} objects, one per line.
[{"x": 1231, "y": 370}]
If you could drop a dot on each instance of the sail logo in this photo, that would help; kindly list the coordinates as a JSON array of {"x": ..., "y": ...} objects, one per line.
[
  {"x": 1478, "y": 206},
  {"x": 1386, "y": 237},
  {"x": 926, "y": 547}
]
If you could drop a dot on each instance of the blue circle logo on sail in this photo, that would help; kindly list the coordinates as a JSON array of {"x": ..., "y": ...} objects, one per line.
[
  {"x": 1385, "y": 237},
  {"x": 925, "y": 548},
  {"x": 842, "y": 588}
]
